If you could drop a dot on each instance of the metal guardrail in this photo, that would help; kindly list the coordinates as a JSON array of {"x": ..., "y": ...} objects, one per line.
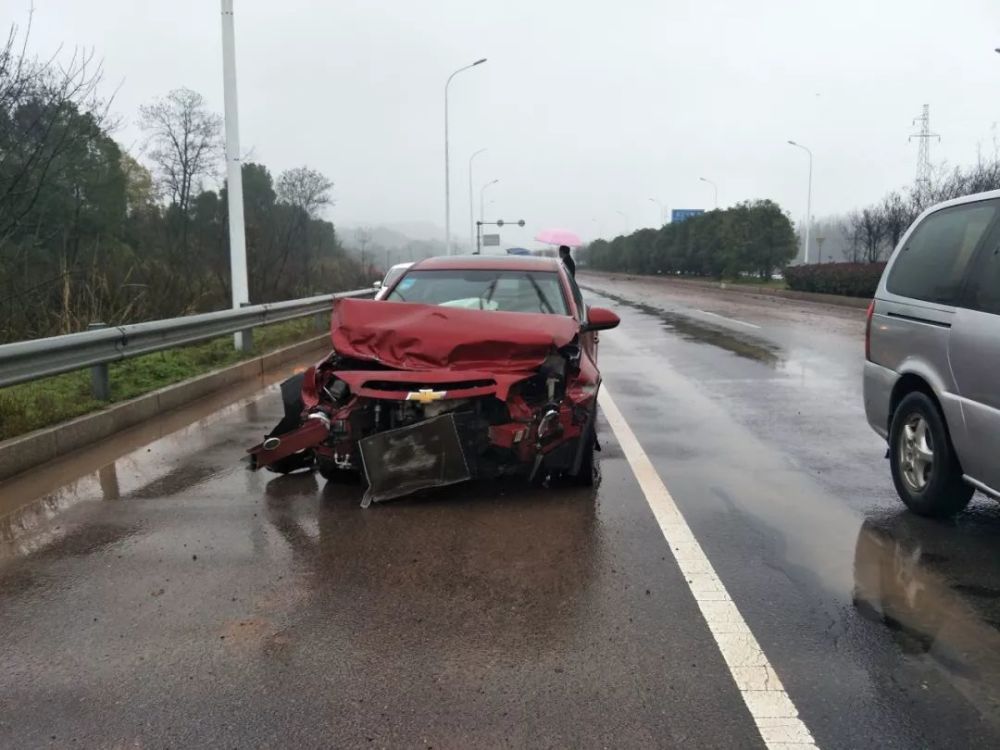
[{"x": 23, "y": 361}]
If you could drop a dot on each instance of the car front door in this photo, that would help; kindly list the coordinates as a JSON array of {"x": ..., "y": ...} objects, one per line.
[
  {"x": 974, "y": 352},
  {"x": 588, "y": 339}
]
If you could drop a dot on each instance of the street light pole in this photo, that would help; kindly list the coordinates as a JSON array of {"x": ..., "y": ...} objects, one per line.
[
  {"x": 663, "y": 211},
  {"x": 809, "y": 194},
  {"x": 234, "y": 177},
  {"x": 482, "y": 190},
  {"x": 715, "y": 188},
  {"x": 447, "y": 172},
  {"x": 472, "y": 219}
]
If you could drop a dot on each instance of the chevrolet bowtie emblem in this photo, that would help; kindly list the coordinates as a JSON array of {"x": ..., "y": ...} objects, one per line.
[{"x": 425, "y": 395}]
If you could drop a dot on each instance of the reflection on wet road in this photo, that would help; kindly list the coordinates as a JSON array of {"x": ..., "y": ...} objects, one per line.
[
  {"x": 154, "y": 593},
  {"x": 936, "y": 587},
  {"x": 692, "y": 329}
]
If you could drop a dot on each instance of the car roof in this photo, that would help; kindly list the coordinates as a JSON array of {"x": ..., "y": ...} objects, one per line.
[
  {"x": 400, "y": 266},
  {"x": 973, "y": 198},
  {"x": 488, "y": 262}
]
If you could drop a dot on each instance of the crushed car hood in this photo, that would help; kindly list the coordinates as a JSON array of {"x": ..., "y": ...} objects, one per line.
[{"x": 410, "y": 336}]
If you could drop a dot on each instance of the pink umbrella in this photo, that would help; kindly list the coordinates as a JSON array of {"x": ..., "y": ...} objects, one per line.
[{"x": 559, "y": 237}]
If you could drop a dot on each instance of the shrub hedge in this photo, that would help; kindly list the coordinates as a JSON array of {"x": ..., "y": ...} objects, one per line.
[{"x": 846, "y": 279}]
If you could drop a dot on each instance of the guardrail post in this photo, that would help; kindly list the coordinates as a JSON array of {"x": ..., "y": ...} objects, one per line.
[
  {"x": 100, "y": 380},
  {"x": 321, "y": 321},
  {"x": 244, "y": 339}
]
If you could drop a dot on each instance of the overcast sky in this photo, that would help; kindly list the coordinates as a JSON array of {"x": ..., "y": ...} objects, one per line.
[{"x": 587, "y": 108}]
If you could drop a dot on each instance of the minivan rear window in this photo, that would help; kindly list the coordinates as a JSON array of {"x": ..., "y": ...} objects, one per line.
[
  {"x": 932, "y": 264},
  {"x": 985, "y": 292}
]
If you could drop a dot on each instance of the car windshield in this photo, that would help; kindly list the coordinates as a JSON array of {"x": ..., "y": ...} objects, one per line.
[
  {"x": 483, "y": 289},
  {"x": 394, "y": 273}
]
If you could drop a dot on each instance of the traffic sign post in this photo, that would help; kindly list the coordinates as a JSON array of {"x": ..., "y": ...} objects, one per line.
[
  {"x": 678, "y": 215},
  {"x": 490, "y": 240}
]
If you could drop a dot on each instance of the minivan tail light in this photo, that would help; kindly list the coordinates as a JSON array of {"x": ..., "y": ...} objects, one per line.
[{"x": 868, "y": 331}]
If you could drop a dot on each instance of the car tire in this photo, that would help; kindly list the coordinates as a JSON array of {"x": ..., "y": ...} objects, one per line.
[
  {"x": 925, "y": 469},
  {"x": 334, "y": 474},
  {"x": 588, "y": 475},
  {"x": 290, "y": 464}
]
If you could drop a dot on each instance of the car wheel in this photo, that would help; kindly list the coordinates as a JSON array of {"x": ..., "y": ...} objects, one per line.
[
  {"x": 295, "y": 462},
  {"x": 588, "y": 475},
  {"x": 334, "y": 474},
  {"x": 924, "y": 467}
]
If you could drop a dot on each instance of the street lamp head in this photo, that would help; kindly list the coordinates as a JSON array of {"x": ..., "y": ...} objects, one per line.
[
  {"x": 703, "y": 179},
  {"x": 480, "y": 61},
  {"x": 792, "y": 143}
]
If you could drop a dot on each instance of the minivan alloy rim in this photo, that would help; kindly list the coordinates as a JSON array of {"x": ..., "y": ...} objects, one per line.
[{"x": 916, "y": 453}]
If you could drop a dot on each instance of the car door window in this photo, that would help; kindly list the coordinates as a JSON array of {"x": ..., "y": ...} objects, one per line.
[
  {"x": 932, "y": 264},
  {"x": 581, "y": 309},
  {"x": 984, "y": 292}
]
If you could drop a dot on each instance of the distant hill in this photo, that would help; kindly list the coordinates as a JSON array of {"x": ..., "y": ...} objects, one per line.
[{"x": 398, "y": 242}]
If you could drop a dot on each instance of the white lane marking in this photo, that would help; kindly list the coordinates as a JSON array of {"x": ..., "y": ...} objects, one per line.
[
  {"x": 776, "y": 717},
  {"x": 731, "y": 320}
]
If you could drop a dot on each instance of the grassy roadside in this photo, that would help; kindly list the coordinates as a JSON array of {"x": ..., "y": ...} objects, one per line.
[
  {"x": 758, "y": 284},
  {"x": 30, "y": 406}
]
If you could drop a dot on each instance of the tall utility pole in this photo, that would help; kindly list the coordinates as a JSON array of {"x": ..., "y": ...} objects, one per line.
[
  {"x": 924, "y": 138},
  {"x": 809, "y": 200},
  {"x": 482, "y": 191},
  {"x": 624, "y": 220},
  {"x": 363, "y": 235},
  {"x": 662, "y": 210},
  {"x": 234, "y": 177},
  {"x": 472, "y": 218},
  {"x": 715, "y": 189},
  {"x": 447, "y": 169}
]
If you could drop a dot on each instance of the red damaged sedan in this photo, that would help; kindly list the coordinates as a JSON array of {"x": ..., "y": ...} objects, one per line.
[{"x": 470, "y": 367}]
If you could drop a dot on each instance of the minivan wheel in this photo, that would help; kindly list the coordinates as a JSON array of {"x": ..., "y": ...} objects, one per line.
[{"x": 925, "y": 469}]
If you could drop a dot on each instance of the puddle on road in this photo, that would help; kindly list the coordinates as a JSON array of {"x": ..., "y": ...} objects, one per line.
[
  {"x": 691, "y": 329},
  {"x": 934, "y": 585}
]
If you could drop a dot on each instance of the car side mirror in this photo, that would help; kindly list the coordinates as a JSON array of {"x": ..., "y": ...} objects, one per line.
[{"x": 600, "y": 319}]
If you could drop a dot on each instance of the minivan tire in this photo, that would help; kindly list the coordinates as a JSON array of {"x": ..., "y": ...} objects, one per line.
[{"x": 945, "y": 493}]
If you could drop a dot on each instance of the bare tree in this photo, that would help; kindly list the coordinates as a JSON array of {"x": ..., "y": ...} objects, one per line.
[
  {"x": 48, "y": 108},
  {"x": 304, "y": 192},
  {"x": 305, "y": 188},
  {"x": 851, "y": 228},
  {"x": 897, "y": 214},
  {"x": 185, "y": 142},
  {"x": 869, "y": 227}
]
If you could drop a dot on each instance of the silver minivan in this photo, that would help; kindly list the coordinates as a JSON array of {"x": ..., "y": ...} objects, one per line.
[{"x": 932, "y": 370}]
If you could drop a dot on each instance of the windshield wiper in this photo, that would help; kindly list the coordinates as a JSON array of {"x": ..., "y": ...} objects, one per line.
[
  {"x": 491, "y": 288},
  {"x": 541, "y": 296}
]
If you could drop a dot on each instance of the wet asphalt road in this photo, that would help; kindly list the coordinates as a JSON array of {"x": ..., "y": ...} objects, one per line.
[{"x": 156, "y": 594}]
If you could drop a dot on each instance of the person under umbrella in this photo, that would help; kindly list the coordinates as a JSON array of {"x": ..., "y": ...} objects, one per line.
[
  {"x": 567, "y": 260},
  {"x": 564, "y": 239}
]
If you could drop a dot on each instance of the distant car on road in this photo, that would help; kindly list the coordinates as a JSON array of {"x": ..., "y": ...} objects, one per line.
[
  {"x": 391, "y": 276},
  {"x": 932, "y": 370}
]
